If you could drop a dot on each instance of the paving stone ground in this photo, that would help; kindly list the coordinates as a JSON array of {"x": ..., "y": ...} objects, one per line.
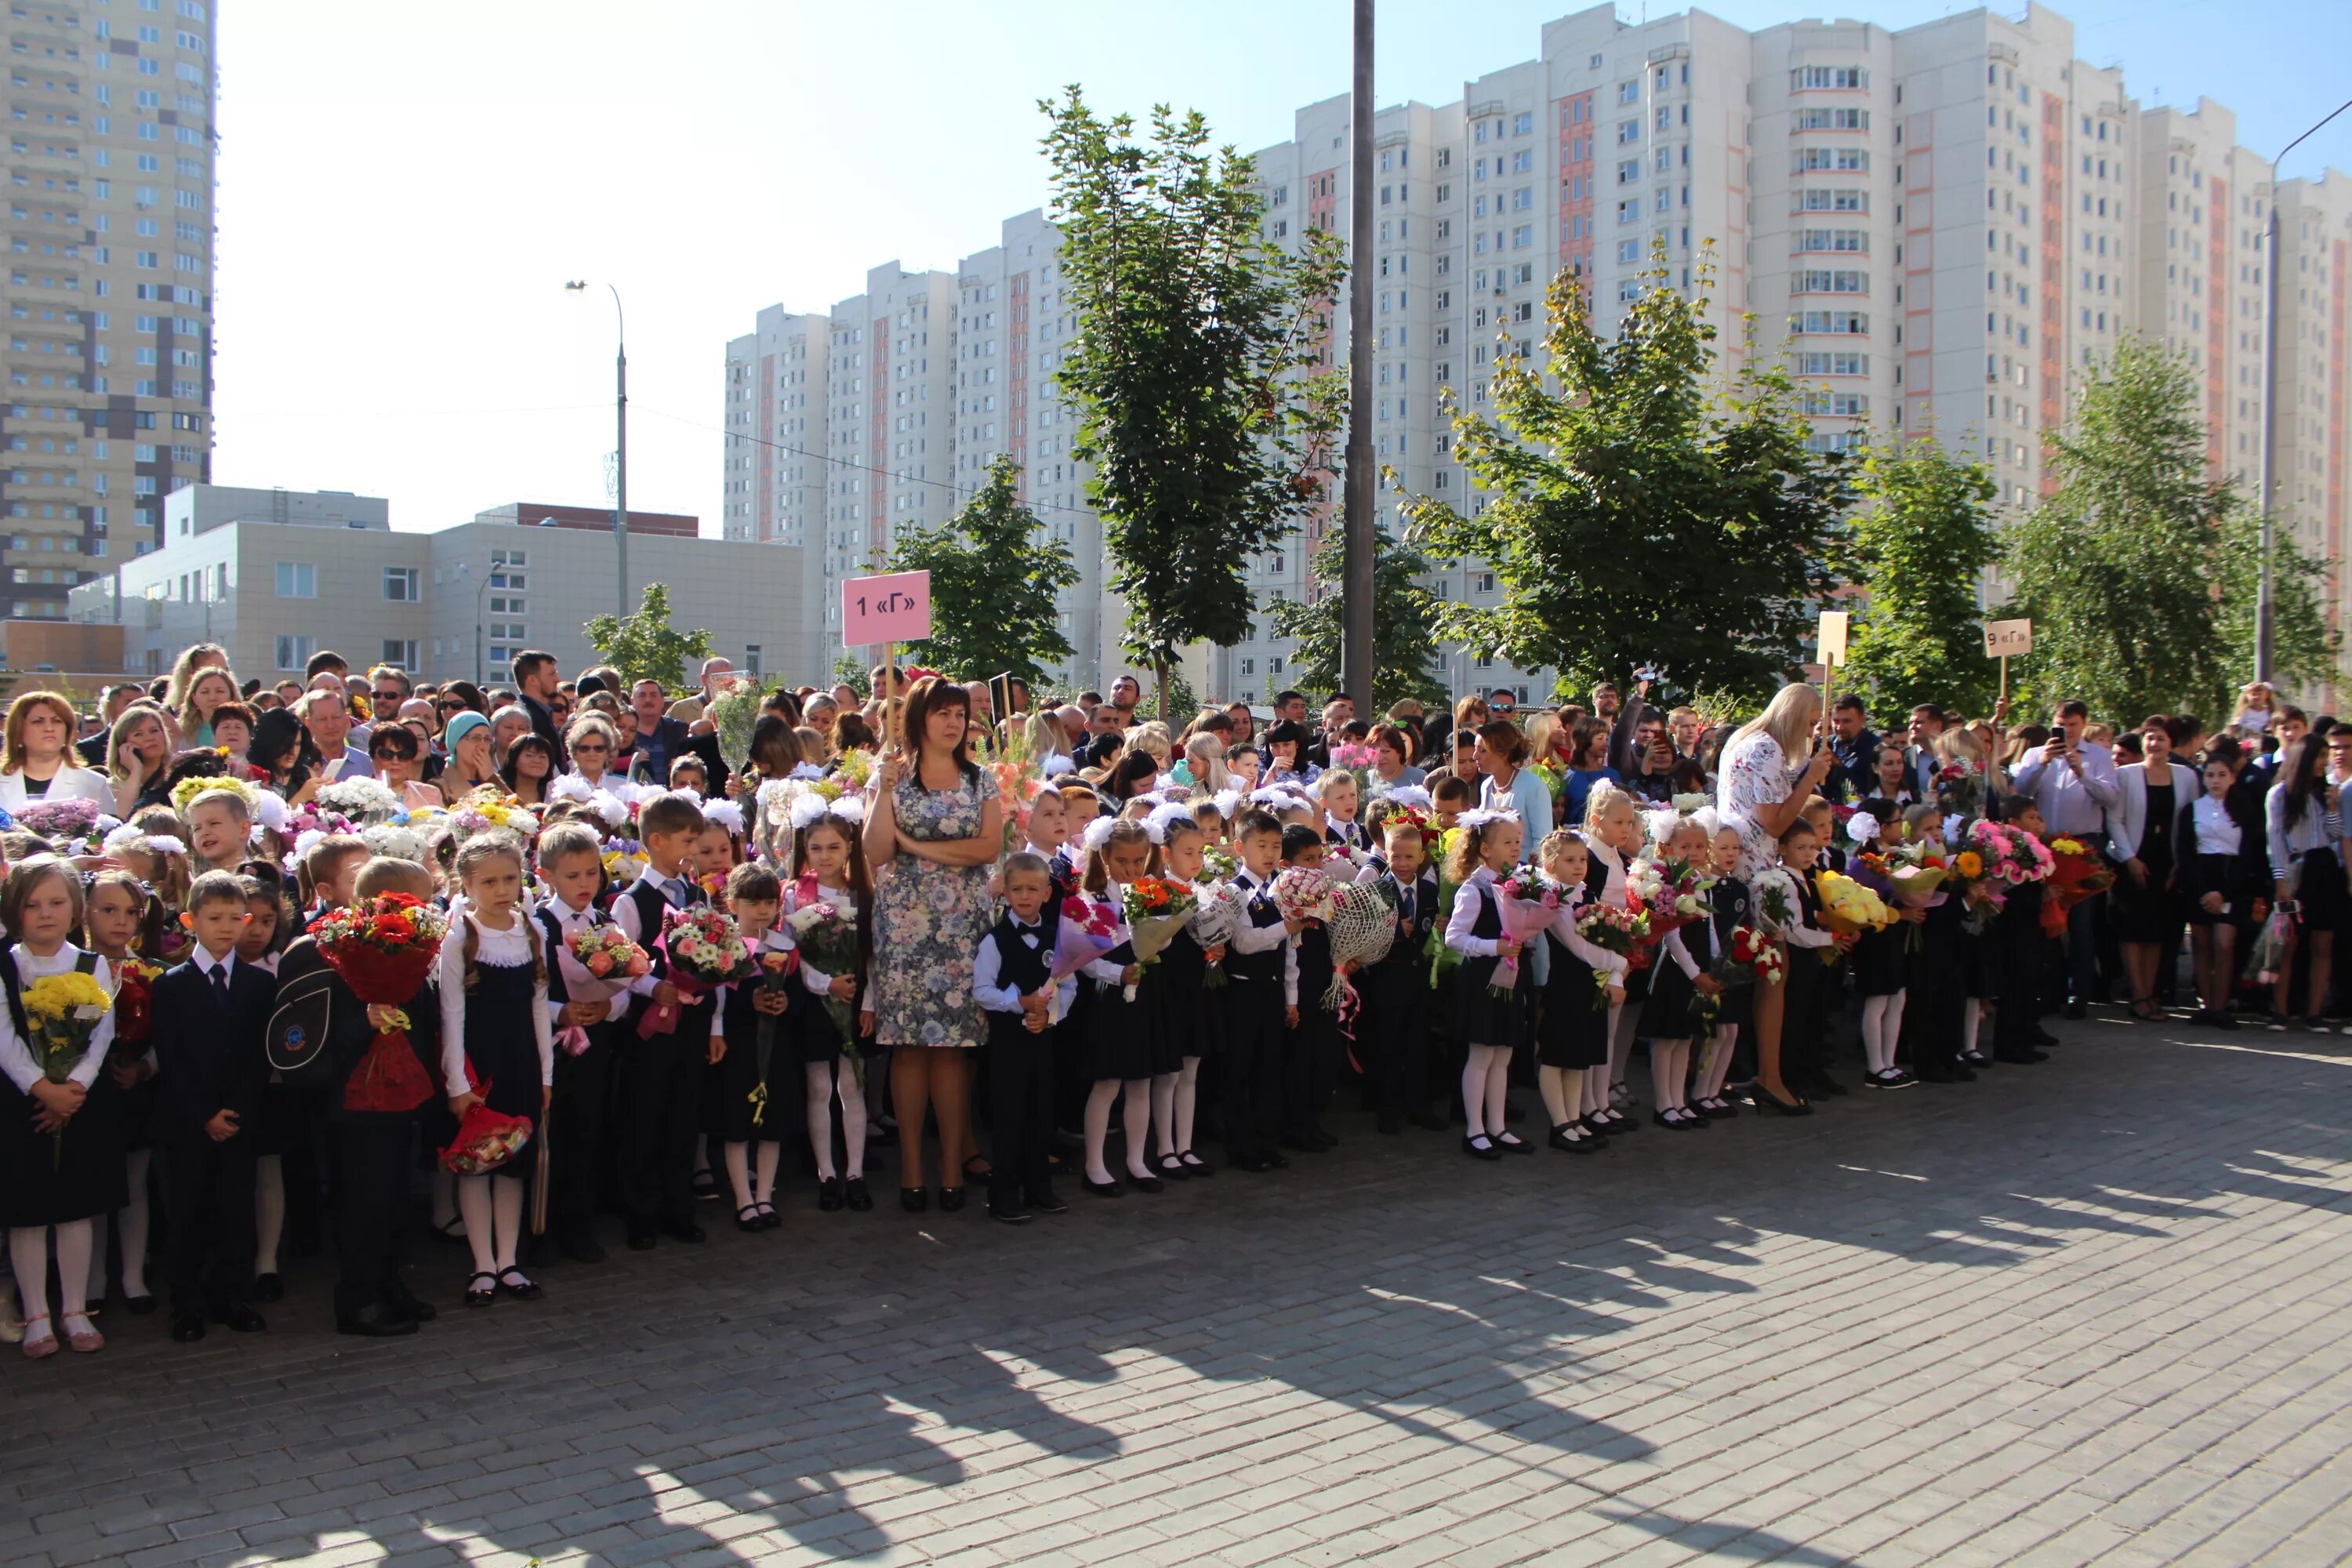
[{"x": 2098, "y": 1310}]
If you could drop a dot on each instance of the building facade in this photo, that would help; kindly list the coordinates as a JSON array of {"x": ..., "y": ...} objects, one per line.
[
  {"x": 1934, "y": 228},
  {"x": 109, "y": 287}
]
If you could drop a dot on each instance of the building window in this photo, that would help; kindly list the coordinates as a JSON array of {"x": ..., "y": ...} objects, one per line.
[
  {"x": 401, "y": 652},
  {"x": 401, "y": 585},
  {"x": 297, "y": 580},
  {"x": 294, "y": 652}
]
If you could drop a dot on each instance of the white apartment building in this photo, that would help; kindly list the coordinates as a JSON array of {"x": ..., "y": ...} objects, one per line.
[{"x": 1935, "y": 228}]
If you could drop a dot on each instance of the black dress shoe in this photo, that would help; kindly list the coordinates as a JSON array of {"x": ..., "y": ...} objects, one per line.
[
  {"x": 240, "y": 1320},
  {"x": 1010, "y": 1215},
  {"x": 268, "y": 1287},
  {"x": 140, "y": 1306},
  {"x": 705, "y": 1186},
  {"x": 187, "y": 1327},
  {"x": 376, "y": 1321},
  {"x": 686, "y": 1231},
  {"x": 641, "y": 1241},
  {"x": 1102, "y": 1189},
  {"x": 950, "y": 1200},
  {"x": 828, "y": 1195},
  {"x": 854, "y": 1194},
  {"x": 1146, "y": 1184},
  {"x": 1481, "y": 1147},
  {"x": 581, "y": 1249},
  {"x": 1510, "y": 1145},
  {"x": 408, "y": 1306},
  {"x": 914, "y": 1200},
  {"x": 1048, "y": 1203},
  {"x": 2076, "y": 1010}
]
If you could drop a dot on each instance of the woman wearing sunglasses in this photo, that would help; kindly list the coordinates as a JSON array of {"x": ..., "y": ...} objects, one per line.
[{"x": 398, "y": 757}]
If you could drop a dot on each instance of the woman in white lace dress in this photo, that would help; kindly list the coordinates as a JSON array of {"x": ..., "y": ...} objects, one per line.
[{"x": 1760, "y": 794}]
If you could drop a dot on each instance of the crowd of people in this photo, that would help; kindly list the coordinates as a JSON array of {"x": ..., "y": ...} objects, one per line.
[{"x": 356, "y": 961}]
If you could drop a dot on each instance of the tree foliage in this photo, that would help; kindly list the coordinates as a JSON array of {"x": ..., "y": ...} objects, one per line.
[
  {"x": 848, "y": 672},
  {"x": 1197, "y": 368},
  {"x": 1922, "y": 537},
  {"x": 2139, "y": 571},
  {"x": 645, "y": 646},
  {"x": 1404, "y": 621},
  {"x": 1631, "y": 517},
  {"x": 996, "y": 571}
]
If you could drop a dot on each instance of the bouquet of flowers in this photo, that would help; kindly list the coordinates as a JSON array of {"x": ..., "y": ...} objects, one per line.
[
  {"x": 1303, "y": 893},
  {"x": 734, "y": 711},
  {"x": 62, "y": 1012},
  {"x": 362, "y": 799},
  {"x": 1362, "y": 927},
  {"x": 1019, "y": 781},
  {"x": 1848, "y": 908},
  {"x": 705, "y": 951},
  {"x": 134, "y": 1005},
  {"x": 1156, "y": 909},
  {"x": 187, "y": 789},
  {"x": 2012, "y": 857},
  {"x": 2268, "y": 954},
  {"x": 851, "y": 772},
  {"x": 1087, "y": 930},
  {"x": 62, "y": 819},
  {"x": 1612, "y": 928},
  {"x": 1959, "y": 788},
  {"x": 396, "y": 841},
  {"x": 2077, "y": 873},
  {"x": 1675, "y": 895},
  {"x": 826, "y": 936},
  {"x": 775, "y": 972},
  {"x": 1222, "y": 909},
  {"x": 490, "y": 809},
  {"x": 597, "y": 963},
  {"x": 1218, "y": 865},
  {"x": 1526, "y": 905},
  {"x": 1916, "y": 872},
  {"x": 1555, "y": 780},
  {"x": 1778, "y": 905},
  {"x": 486, "y": 1139},
  {"x": 1750, "y": 956},
  {"x": 382, "y": 948},
  {"x": 1355, "y": 757}
]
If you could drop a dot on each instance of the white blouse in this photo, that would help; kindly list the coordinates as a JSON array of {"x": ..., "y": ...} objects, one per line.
[
  {"x": 2216, "y": 831},
  {"x": 1463, "y": 921},
  {"x": 508, "y": 948},
  {"x": 16, "y": 1056}
]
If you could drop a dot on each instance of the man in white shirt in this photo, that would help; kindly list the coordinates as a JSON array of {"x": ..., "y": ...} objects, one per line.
[
  {"x": 2073, "y": 782},
  {"x": 328, "y": 721}
]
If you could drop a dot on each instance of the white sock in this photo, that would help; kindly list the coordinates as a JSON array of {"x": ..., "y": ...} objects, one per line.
[
  {"x": 1474, "y": 1092},
  {"x": 739, "y": 1175},
  {"x": 29, "y": 1253},
  {"x": 763, "y": 1189},
  {"x": 1137, "y": 1093},
  {"x": 1873, "y": 1033},
  {"x": 506, "y": 1199},
  {"x": 1188, "y": 1101}
]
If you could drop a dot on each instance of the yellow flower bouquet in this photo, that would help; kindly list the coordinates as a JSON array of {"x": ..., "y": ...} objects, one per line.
[
  {"x": 1848, "y": 908},
  {"x": 61, "y": 1013}
]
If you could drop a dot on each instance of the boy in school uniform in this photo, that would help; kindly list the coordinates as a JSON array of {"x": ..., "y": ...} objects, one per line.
[
  {"x": 571, "y": 861},
  {"x": 661, "y": 1073},
  {"x": 1312, "y": 1053},
  {"x": 1012, "y": 978},
  {"x": 1397, "y": 992},
  {"x": 210, "y": 1014},
  {"x": 1261, "y": 1001}
]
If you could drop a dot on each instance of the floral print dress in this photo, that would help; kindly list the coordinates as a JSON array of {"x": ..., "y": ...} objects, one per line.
[
  {"x": 928, "y": 922},
  {"x": 1755, "y": 776}
]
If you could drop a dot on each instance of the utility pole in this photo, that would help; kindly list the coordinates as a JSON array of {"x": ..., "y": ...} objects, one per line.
[
  {"x": 2266, "y": 595},
  {"x": 621, "y": 447},
  {"x": 1357, "y": 541}
]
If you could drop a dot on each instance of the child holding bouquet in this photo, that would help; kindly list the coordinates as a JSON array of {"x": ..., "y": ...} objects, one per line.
[
  {"x": 1879, "y": 966},
  {"x": 829, "y": 910},
  {"x": 1398, "y": 995},
  {"x": 1732, "y": 911},
  {"x": 662, "y": 1068},
  {"x": 1120, "y": 1049},
  {"x": 494, "y": 1022},
  {"x": 1934, "y": 983},
  {"x": 61, "y": 1161},
  {"x": 1013, "y": 979},
  {"x": 584, "y": 1007},
  {"x": 1175, "y": 985},
  {"x": 1613, "y": 834},
  {"x": 757, "y": 1073},
  {"x": 122, "y": 919},
  {"x": 1581, "y": 993},
  {"x": 1310, "y": 1055},
  {"x": 1490, "y": 1022},
  {"x": 1683, "y": 997}
]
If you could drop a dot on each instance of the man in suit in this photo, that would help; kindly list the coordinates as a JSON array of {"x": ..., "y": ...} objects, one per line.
[
  {"x": 1855, "y": 746},
  {"x": 536, "y": 679},
  {"x": 661, "y": 740},
  {"x": 211, "y": 1015}
]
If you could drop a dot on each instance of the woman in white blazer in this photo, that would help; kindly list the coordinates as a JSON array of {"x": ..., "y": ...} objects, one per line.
[
  {"x": 2143, "y": 827},
  {"x": 38, "y": 759}
]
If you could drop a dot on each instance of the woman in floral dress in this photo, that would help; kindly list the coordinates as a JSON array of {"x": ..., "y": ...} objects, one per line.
[
  {"x": 1759, "y": 794},
  {"x": 935, "y": 824}
]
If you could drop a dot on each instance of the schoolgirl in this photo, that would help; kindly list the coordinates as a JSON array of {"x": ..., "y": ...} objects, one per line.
[
  {"x": 757, "y": 1082},
  {"x": 1683, "y": 999},
  {"x": 1490, "y": 1023},
  {"x": 1612, "y": 835},
  {"x": 571, "y": 873},
  {"x": 288, "y": 1113},
  {"x": 1732, "y": 905},
  {"x": 1935, "y": 983},
  {"x": 2224, "y": 878},
  {"x": 1184, "y": 1021},
  {"x": 1877, "y": 964},
  {"x": 494, "y": 1018},
  {"x": 1572, "y": 1023},
  {"x": 831, "y": 1028},
  {"x": 121, "y": 920},
  {"x": 1121, "y": 1049}
]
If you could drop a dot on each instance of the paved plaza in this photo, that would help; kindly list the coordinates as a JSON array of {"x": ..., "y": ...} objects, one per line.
[{"x": 2097, "y": 1311}]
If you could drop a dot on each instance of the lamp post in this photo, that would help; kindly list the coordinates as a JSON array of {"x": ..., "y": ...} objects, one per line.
[
  {"x": 1356, "y": 538},
  {"x": 2265, "y": 595},
  {"x": 621, "y": 446},
  {"x": 465, "y": 569}
]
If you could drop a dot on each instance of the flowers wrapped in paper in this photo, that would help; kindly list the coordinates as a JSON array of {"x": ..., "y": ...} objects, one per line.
[
  {"x": 705, "y": 951},
  {"x": 2077, "y": 873},
  {"x": 1526, "y": 905},
  {"x": 1848, "y": 908},
  {"x": 63, "y": 819},
  {"x": 61, "y": 1013},
  {"x": 1156, "y": 909},
  {"x": 826, "y": 938},
  {"x": 1219, "y": 912},
  {"x": 1612, "y": 928},
  {"x": 486, "y": 1139},
  {"x": 382, "y": 948},
  {"x": 1362, "y": 924},
  {"x": 597, "y": 963}
]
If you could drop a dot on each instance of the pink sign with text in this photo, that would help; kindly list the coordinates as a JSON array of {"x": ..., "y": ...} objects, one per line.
[{"x": 887, "y": 609}]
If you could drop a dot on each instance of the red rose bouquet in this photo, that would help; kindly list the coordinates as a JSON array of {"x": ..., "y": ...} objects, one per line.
[
  {"x": 2076, "y": 872},
  {"x": 382, "y": 948}
]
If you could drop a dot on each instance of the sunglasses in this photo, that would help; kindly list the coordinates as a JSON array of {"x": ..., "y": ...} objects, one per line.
[
  {"x": 593, "y": 748},
  {"x": 393, "y": 755}
]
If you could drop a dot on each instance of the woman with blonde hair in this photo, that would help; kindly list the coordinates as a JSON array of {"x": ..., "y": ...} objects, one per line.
[
  {"x": 194, "y": 657},
  {"x": 1759, "y": 794},
  {"x": 38, "y": 760},
  {"x": 209, "y": 689},
  {"x": 1204, "y": 763},
  {"x": 1048, "y": 737},
  {"x": 1153, "y": 739}
]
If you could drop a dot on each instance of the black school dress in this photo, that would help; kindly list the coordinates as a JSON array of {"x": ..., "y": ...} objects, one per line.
[
  {"x": 503, "y": 1044},
  {"x": 1185, "y": 1022},
  {"x": 1480, "y": 1016},
  {"x": 1876, "y": 962},
  {"x": 1120, "y": 1040},
  {"x": 76, "y": 1173},
  {"x": 1573, "y": 1030},
  {"x": 736, "y": 1119},
  {"x": 1734, "y": 906},
  {"x": 2151, "y": 913},
  {"x": 1676, "y": 1011},
  {"x": 815, "y": 1037}
]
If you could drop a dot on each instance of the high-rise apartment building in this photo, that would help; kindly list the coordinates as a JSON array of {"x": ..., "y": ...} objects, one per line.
[
  {"x": 109, "y": 286},
  {"x": 1931, "y": 229}
]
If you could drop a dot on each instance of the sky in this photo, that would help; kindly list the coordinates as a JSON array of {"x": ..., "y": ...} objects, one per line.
[{"x": 403, "y": 191}]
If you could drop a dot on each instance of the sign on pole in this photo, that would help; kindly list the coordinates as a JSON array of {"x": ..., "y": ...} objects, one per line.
[
  {"x": 2008, "y": 640},
  {"x": 1830, "y": 639},
  {"x": 893, "y": 608}
]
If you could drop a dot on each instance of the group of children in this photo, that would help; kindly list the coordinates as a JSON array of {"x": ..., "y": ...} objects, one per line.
[{"x": 648, "y": 1087}]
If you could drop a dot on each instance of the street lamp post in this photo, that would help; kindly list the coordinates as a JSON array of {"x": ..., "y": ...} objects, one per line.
[
  {"x": 2267, "y": 594},
  {"x": 465, "y": 569},
  {"x": 1358, "y": 540},
  {"x": 621, "y": 446}
]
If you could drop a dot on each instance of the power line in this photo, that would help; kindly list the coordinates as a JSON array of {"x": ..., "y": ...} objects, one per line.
[{"x": 947, "y": 485}]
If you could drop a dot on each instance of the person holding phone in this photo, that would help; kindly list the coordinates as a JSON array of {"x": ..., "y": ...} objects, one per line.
[{"x": 2073, "y": 780}]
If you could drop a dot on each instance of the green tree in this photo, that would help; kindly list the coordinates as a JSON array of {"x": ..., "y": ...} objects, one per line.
[
  {"x": 1405, "y": 620},
  {"x": 994, "y": 573},
  {"x": 644, "y": 647},
  {"x": 1182, "y": 700},
  {"x": 1199, "y": 367},
  {"x": 848, "y": 672},
  {"x": 2138, "y": 571},
  {"x": 1631, "y": 517},
  {"x": 1922, "y": 539}
]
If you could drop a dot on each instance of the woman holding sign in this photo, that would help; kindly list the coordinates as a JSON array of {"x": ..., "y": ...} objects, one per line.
[{"x": 935, "y": 822}]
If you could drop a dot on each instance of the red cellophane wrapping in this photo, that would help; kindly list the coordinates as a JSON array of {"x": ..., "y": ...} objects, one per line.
[{"x": 389, "y": 1077}]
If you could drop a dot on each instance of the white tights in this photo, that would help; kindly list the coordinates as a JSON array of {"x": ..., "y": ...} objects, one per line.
[
  {"x": 268, "y": 1211},
  {"x": 1669, "y": 1068},
  {"x": 131, "y": 1224},
  {"x": 826, "y": 1082},
  {"x": 1563, "y": 1093},
  {"x": 1174, "y": 1097},
  {"x": 1135, "y": 1119},
  {"x": 1971, "y": 1024},
  {"x": 741, "y": 1164},
  {"x": 1486, "y": 1078},
  {"x": 1882, "y": 1028},
  {"x": 492, "y": 1205},
  {"x": 1714, "y": 1062},
  {"x": 1622, "y": 1026},
  {"x": 29, "y": 1253}
]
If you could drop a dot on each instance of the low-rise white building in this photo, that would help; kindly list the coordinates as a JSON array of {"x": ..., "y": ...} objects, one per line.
[{"x": 276, "y": 580}]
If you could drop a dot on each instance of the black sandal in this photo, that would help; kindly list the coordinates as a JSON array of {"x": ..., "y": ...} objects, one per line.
[
  {"x": 748, "y": 1217},
  {"x": 529, "y": 1291},
  {"x": 481, "y": 1295}
]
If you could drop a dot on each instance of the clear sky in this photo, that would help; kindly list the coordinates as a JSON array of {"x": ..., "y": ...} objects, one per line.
[{"x": 404, "y": 189}]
